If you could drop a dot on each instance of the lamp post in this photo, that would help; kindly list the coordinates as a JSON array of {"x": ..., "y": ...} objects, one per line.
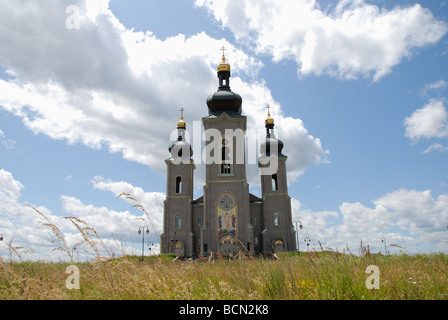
[
  {"x": 140, "y": 229},
  {"x": 297, "y": 234},
  {"x": 307, "y": 241}
]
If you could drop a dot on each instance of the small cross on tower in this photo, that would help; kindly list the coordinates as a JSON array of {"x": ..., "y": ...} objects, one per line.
[
  {"x": 223, "y": 49},
  {"x": 269, "y": 111},
  {"x": 182, "y": 112},
  {"x": 223, "y": 56}
]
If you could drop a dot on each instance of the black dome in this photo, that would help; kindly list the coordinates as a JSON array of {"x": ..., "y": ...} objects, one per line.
[
  {"x": 265, "y": 147},
  {"x": 176, "y": 148},
  {"x": 223, "y": 100}
]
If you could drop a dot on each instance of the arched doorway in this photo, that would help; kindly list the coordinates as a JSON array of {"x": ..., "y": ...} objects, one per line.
[
  {"x": 227, "y": 245},
  {"x": 279, "y": 245},
  {"x": 178, "y": 248}
]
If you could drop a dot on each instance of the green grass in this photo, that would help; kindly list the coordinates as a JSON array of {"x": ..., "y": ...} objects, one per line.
[{"x": 310, "y": 276}]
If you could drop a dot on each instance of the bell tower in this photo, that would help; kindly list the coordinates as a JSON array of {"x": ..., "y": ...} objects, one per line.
[
  {"x": 226, "y": 193},
  {"x": 177, "y": 236},
  {"x": 278, "y": 234}
]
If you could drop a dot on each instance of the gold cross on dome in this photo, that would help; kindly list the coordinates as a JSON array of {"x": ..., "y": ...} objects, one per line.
[
  {"x": 223, "y": 49},
  {"x": 269, "y": 111},
  {"x": 182, "y": 113}
]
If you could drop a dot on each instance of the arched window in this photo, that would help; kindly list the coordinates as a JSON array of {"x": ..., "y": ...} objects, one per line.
[
  {"x": 274, "y": 182},
  {"x": 177, "y": 221},
  {"x": 178, "y": 185},
  {"x": 276, "y": 218},
  {"x": 225, "y": 157}
]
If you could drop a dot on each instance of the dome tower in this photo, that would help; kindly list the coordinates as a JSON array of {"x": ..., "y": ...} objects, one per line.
[
  {"x": 271, "y": 144},
  {"x": 224, "y": 99},
  {"x": 179, "y": 195},
  {"x": 180, "y": 148},
  {"x": 274, "y": 189}
]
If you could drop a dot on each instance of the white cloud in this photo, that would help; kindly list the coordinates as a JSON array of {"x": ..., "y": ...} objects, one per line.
[
  {"x": 439, "y": 85},
  {"x": 151, "y": 201},
  {"x": 411, "y": 219},
  {"x": 435, "y": 147},
  {"x": 117, "y": 229},
  {"x": 428, "y": 122},
  {"x": 105, "y": 221},
  {"x": 419, "y": 213},
  {"x": 20, "y": 223},
  {"x": 8, "y": 144},
  {"x": 354, "y": 39},
  {"x": 10, "y": 188},
  {"x": 104, "y": 86}
]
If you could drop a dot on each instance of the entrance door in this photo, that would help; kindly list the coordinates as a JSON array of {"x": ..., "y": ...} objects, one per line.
[
  {"x": 178, "y": 248},
  {"x": 279, "y": 245},
  {"x": 227, "y": 245}
]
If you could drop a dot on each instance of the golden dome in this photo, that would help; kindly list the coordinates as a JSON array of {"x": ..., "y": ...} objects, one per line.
[
  {"x": 223, "y": 66},
  {"x": 269, "y": 119},
  {"x": 181, "y": 123}
]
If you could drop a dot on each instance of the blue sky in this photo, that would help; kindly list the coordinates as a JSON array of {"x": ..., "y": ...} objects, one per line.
[{"x": 358, "y": 89}]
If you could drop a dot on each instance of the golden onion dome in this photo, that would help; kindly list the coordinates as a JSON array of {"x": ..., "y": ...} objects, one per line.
[
  {"x": 223, "y": 66},
  {"x": 181, "y": 123},
  {"x": 269, "y": 119}
]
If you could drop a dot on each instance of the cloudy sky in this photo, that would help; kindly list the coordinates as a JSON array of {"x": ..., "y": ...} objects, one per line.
[{"x": 90, "y": 93}]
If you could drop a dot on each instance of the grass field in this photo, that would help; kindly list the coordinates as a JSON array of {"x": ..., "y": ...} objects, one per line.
[{"x": 315, "y": 275}]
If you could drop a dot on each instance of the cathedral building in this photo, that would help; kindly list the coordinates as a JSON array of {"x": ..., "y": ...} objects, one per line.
[{"x": 227, "y": 218}]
